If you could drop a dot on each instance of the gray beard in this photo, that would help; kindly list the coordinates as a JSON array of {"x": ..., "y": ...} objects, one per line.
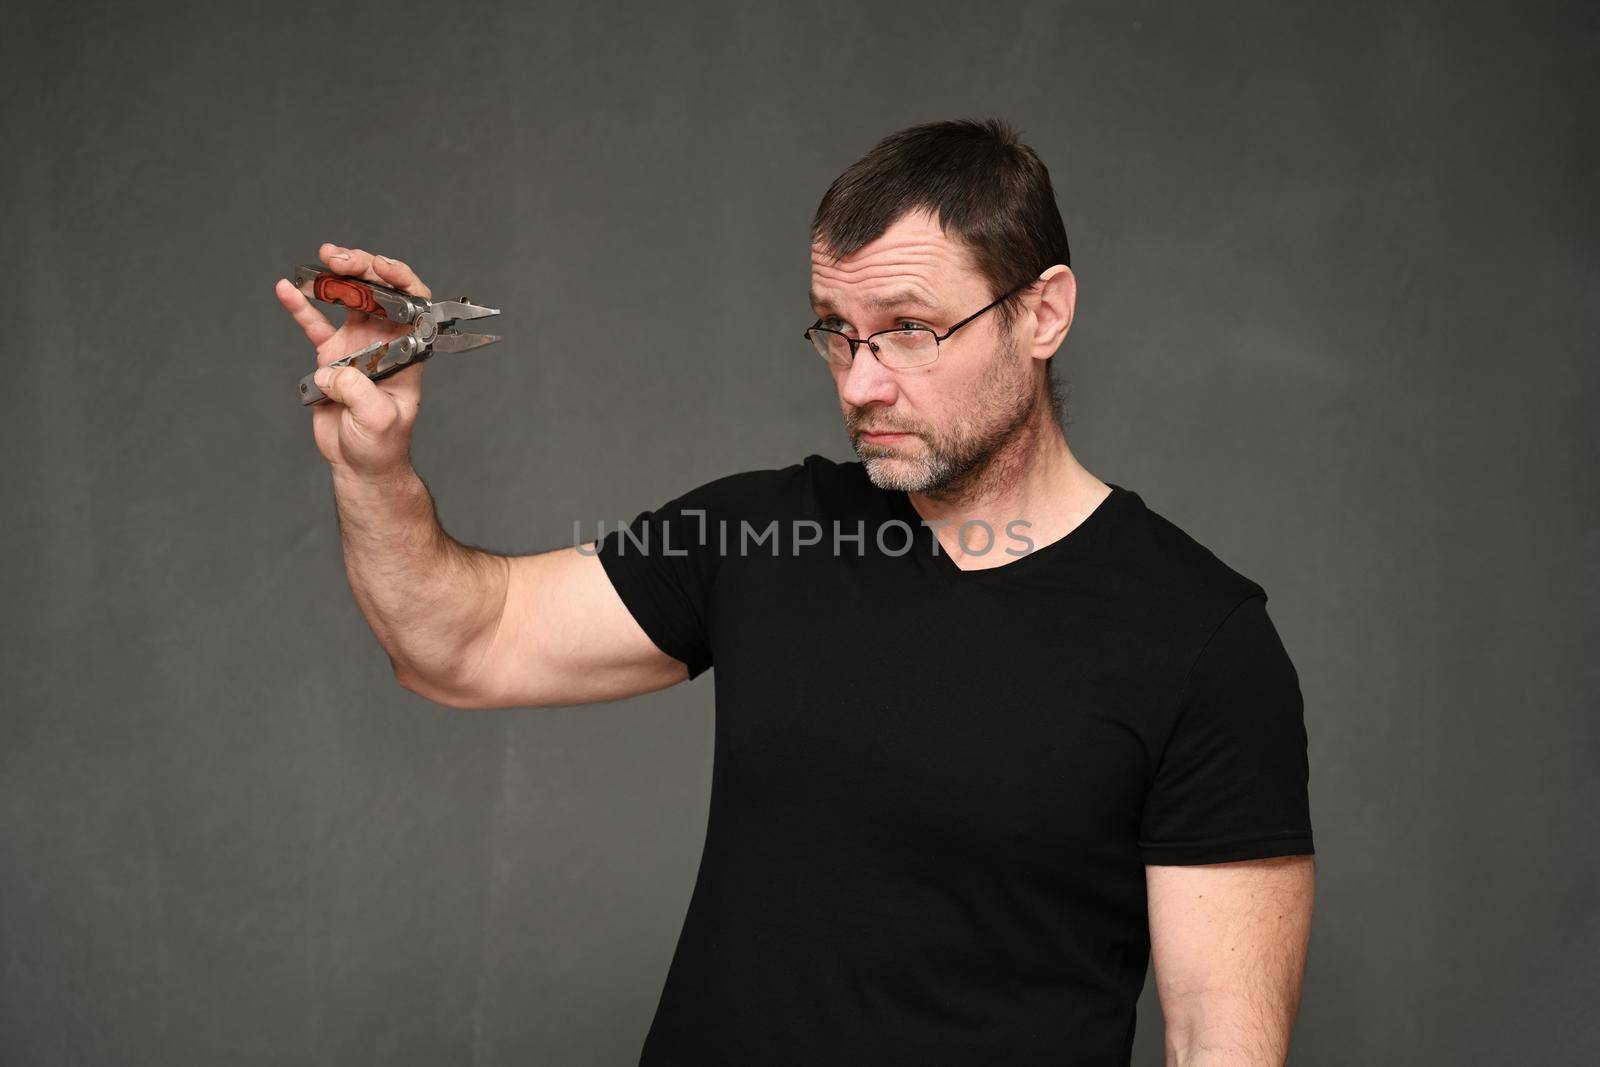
[{"x": 967, "y": 454}]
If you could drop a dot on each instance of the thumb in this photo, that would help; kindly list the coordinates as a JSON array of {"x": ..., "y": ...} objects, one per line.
[{"x": 372, "y": 409}]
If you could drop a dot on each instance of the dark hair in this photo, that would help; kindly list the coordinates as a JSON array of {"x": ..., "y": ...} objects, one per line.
[{"x": 986, "y": 187}]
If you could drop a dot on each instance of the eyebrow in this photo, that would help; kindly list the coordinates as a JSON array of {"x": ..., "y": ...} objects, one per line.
[{"x": 904, "y": 298}]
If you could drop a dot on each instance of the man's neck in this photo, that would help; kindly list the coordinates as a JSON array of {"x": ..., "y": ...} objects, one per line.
[{"x": 1035, "y": 478}]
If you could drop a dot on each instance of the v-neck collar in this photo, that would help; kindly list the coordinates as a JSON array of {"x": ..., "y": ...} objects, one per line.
[{"x": 925, "y": 546}]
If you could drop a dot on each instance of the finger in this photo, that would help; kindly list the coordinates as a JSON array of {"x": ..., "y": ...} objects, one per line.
[
  {"x": 397, "y": 275},
  {"x": 369, "y": 405},
  {"x": 316, "y": 325},
  {"x": 337, "y": 257},
  {"x": 406, "y": 386},
  {"x": 358, "y": 263}
]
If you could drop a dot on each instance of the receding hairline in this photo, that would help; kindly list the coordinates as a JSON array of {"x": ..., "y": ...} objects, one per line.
[{"x": 907, "y": 296}]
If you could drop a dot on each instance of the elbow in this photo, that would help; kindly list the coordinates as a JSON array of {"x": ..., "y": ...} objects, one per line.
[
  {"x": 416, "y": 683},
  {"x": 1237, "y": 1043}
]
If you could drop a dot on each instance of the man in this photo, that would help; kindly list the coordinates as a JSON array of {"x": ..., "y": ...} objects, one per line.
[{"x": 991, "y": 734}]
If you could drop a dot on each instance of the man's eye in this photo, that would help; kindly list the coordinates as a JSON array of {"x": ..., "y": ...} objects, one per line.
[{"x": 833, "y": 322}]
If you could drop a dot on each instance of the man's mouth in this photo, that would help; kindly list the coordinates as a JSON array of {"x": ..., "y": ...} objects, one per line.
[{"x": 879, "y": 437}]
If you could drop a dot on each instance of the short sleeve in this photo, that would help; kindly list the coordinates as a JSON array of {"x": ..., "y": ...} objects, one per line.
[
  {"x": 1232, "y": 781},
  {"x": 663, "y": 565}
]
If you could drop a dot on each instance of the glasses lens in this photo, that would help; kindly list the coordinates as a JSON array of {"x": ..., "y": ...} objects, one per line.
[
  {"x": 831, "y": 346},
  {"x": 906, "y": 348}
]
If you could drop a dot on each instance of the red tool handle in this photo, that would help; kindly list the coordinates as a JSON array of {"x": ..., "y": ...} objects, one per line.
[
  {"x": 336, "y": 289},
  {"x": 358, "y": 294}
]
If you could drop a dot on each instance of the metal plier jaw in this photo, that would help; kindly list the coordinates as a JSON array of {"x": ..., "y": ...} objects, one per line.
[{"x": 432, "y": 324}]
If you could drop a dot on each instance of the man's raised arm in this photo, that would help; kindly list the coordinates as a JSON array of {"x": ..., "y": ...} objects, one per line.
[
  {"x": 462, "y": 627},
  {"x": 563, "y": 636}
]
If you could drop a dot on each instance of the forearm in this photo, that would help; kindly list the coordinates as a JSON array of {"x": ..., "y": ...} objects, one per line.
[{"x": 432, "y": 602}]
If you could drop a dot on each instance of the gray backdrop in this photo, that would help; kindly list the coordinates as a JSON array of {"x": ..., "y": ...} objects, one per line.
[{"x": 1338, "y": 270}]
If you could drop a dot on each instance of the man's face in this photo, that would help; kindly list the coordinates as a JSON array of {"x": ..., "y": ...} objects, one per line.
[{"x": 922, "y": 429}]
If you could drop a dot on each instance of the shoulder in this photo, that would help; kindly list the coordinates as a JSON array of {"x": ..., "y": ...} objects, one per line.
[
  {"x": 804, "y": 487},
  {"x": 1168, "y": 563}
]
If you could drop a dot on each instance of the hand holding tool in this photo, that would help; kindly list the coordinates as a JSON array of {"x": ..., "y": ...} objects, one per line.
[{"x": 432, "y": 324}]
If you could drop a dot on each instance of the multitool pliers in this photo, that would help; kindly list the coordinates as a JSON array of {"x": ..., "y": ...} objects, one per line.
[{"x": 432, "y": 324}]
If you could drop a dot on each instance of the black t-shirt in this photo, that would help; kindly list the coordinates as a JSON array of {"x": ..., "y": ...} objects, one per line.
[{"x": 934, "y": 791}]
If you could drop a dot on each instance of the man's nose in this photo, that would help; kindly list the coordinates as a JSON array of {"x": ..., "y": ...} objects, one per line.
[{"x": 867, "y": 380}]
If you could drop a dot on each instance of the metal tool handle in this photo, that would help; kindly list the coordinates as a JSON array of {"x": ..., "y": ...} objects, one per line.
[
  {"x": 358, "y": 294},
  {"x": 377, "y": 361}
]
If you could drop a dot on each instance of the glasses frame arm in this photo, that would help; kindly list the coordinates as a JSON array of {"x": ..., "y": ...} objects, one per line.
[{"x": 937, "y": 336}]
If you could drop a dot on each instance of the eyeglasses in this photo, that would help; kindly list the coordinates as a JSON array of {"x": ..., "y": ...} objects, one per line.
[{"x": 911, "y": 346}]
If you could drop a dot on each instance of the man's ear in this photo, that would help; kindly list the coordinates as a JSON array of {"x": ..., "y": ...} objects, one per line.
[{"x": 1052, "y": 315}]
